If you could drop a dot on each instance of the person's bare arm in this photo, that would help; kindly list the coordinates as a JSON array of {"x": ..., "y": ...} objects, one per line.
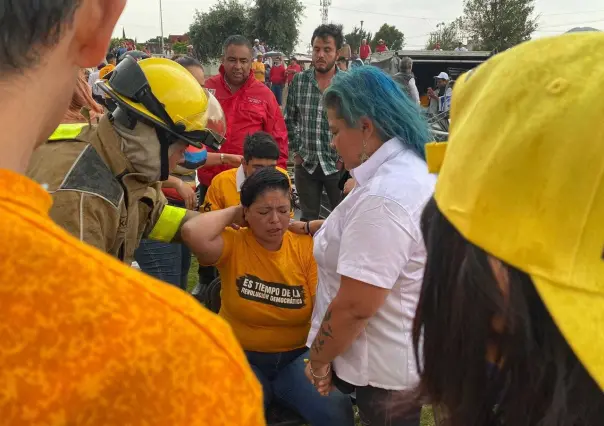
[
  {"x": 346, "y": 316},
  {"x": 203, "y": 234},
  {"x": 218, "y": 159},
  {"x": 304, "y": 228}
]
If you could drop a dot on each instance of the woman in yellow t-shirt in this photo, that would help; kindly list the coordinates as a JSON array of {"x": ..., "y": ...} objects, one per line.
[{"x": 269, "y": 279}]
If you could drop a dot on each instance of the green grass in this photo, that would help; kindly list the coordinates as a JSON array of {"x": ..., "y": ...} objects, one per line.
[
  {"x": 193, "y": 277},
  {"x": 427, "y": 414}
]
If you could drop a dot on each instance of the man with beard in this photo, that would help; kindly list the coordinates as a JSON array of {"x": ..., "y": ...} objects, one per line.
[{"x": 317, "y": 164}]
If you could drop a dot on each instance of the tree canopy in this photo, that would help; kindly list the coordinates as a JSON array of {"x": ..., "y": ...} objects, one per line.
[
  {"x": 273, "y": 21},
  {"x": 395, "y": 39},
  {"x": 447, "y": 35},
  {"x": 500, "y": 24},
  {"x": 276, "y": 22},
  {"x": 210, "y": 29},
  {"x": 355, "y": 37}
]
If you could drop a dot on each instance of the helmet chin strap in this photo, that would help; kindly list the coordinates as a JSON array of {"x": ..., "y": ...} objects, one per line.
[{"x": 164, "y": 155}]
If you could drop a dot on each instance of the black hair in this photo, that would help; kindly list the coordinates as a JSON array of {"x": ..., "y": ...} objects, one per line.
[
  {"x": 236, "y": 40},
  {"x": 329, "y": 30},
  {"x": 534, "y": 379},
  {"x": 187, "y": 61},
  {"x": 260, "y": 145},
  {"x": 265, "y": 179},
  {"x": 28, "y": 27},
  {"x": 109, "y": 57}
]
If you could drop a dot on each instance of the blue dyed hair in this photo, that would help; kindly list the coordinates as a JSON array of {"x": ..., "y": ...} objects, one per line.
[{"x": 370, "y": 92}]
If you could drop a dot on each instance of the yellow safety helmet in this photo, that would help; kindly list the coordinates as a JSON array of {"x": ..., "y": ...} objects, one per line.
[{"x": 163, "y": 93}]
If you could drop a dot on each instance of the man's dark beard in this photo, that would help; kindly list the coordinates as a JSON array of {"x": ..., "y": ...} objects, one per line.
[{"x": 327, "y": 69}]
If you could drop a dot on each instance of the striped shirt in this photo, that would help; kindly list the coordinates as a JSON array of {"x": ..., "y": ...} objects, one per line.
[{"x": 307, "y": 126}]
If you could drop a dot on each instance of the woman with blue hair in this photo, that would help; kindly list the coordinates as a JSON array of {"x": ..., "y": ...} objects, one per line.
[{"x": 370, "y": 253}]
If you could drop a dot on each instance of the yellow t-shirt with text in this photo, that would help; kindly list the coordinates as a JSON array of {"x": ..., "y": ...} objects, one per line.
[
  {"x": 223, "y": 192},
  {"x": 267, "y": 297}
]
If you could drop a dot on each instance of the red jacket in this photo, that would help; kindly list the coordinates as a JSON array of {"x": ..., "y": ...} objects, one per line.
[
  {"x": 251, "y": 109},
  {"x": 278, "y": 74},
  {"x": 381, "y": 48},
  {"x": 364, "y": 52}
]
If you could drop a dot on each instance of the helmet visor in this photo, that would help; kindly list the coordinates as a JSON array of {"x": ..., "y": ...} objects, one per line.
[{"x": 209, "y": 127}]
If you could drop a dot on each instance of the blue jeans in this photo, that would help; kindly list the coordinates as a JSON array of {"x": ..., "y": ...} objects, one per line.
[
  {"x": 278, "y": 91},
  {"x": 282, "y": 377},
  {"x": 165, "y": 261}
]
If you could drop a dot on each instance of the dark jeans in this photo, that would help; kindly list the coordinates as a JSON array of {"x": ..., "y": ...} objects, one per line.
[
  {"x": 282, "y": 377},
  {"x": 278, "y": 91},
  {"x": 207, "y": 274},
  {"x": 310, "y": 189},
  {"x": 377, "y": 407},
  {"x": 168, "y": 262}
]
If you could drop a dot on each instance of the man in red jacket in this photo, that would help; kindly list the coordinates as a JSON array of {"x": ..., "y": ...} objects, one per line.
[
  {"x": 365, "y": 50},
  {"x": 249, "y": 106},
  {"x": 278, "y": 79}
]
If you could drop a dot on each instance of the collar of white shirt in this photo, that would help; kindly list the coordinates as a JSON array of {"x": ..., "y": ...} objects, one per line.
[
  {"x": 365, "y": 171},
  {"x": 240, "y": 178}
]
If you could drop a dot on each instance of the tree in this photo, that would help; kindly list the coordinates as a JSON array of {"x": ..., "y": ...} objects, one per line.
[
  {"x": 447, "y": 35},
  {"x": 355, "y": 37},
  {"x": 500, "y": 24},
  {"x": 210, "y": 29},
  {"x": 277, "y": 23},
  {"x": 115, "y": 42},
  {"x": 180, "y": 48},
  {"x": 157, "y": 40},
  {"x": 395, "y": 40}
]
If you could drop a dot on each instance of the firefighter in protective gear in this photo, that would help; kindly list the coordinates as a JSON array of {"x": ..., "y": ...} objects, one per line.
[{"x": 105, "y": 178}]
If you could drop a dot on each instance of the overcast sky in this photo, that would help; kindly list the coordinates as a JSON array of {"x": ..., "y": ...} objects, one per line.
[{"x": 416, "y": 18}]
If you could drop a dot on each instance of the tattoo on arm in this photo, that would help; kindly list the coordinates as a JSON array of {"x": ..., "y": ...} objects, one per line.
[{"x": 325, "y": 332}]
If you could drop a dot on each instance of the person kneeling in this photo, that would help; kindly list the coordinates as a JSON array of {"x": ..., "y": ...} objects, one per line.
[{"x": 269, "y": 279}]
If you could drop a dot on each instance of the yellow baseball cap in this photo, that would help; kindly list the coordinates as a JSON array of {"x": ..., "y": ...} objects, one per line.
[{"x": 523, "y": 176}]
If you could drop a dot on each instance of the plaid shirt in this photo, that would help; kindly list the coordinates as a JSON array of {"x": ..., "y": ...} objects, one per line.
[{"x": 307, "y": 126}]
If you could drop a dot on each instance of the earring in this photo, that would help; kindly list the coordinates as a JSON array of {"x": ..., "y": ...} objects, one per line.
[{"x": 364, "y": 157}]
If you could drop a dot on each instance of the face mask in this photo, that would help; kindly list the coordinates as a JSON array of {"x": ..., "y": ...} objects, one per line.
[{"x": 141, "y": 148}]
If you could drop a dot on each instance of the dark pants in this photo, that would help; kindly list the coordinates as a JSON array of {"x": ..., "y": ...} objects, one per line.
[
  {"x": 310, "y": 189},
  {"x": 377, "y": 407},
  {"x": 282, "y": 378},
  {"x": 168, "y": 262},
  {"x": 278, "y": 91},
  {"x": 207, "y": 274}
]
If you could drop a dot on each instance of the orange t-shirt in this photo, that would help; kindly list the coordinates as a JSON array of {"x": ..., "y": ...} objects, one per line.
[
  {"x": 267, "y": 296},
  {"x": 86, "y": 340}
]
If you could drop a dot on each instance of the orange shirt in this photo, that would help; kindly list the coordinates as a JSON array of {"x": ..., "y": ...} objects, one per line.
[
  {"x": 85, "y": 340},
  {"x": 267, "y": 296}
]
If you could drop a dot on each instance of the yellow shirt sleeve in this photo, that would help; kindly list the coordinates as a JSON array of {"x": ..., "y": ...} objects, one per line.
[
  {"x": 214, "y": 199},
  {"x": 229, "y": 235}
]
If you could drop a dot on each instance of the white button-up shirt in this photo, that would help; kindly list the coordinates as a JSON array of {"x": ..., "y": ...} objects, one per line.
[{"x": 374, "y": 236}]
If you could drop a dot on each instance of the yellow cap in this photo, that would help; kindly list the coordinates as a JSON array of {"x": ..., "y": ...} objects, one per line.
[{"x": 523, "y": 176}]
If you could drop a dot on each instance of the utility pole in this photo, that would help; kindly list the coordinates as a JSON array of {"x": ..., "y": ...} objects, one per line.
[
  {"x": 161, "y": 24},
  {"x": 325, "y": 11}
]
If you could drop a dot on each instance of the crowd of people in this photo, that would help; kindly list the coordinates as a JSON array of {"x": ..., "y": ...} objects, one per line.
[{"x": 468, "y": 275}]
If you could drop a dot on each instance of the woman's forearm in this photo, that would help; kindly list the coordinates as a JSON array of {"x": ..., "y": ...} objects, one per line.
[
  {"x": 172, "y": 182},
  {"x": 338, "y": 331}
]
